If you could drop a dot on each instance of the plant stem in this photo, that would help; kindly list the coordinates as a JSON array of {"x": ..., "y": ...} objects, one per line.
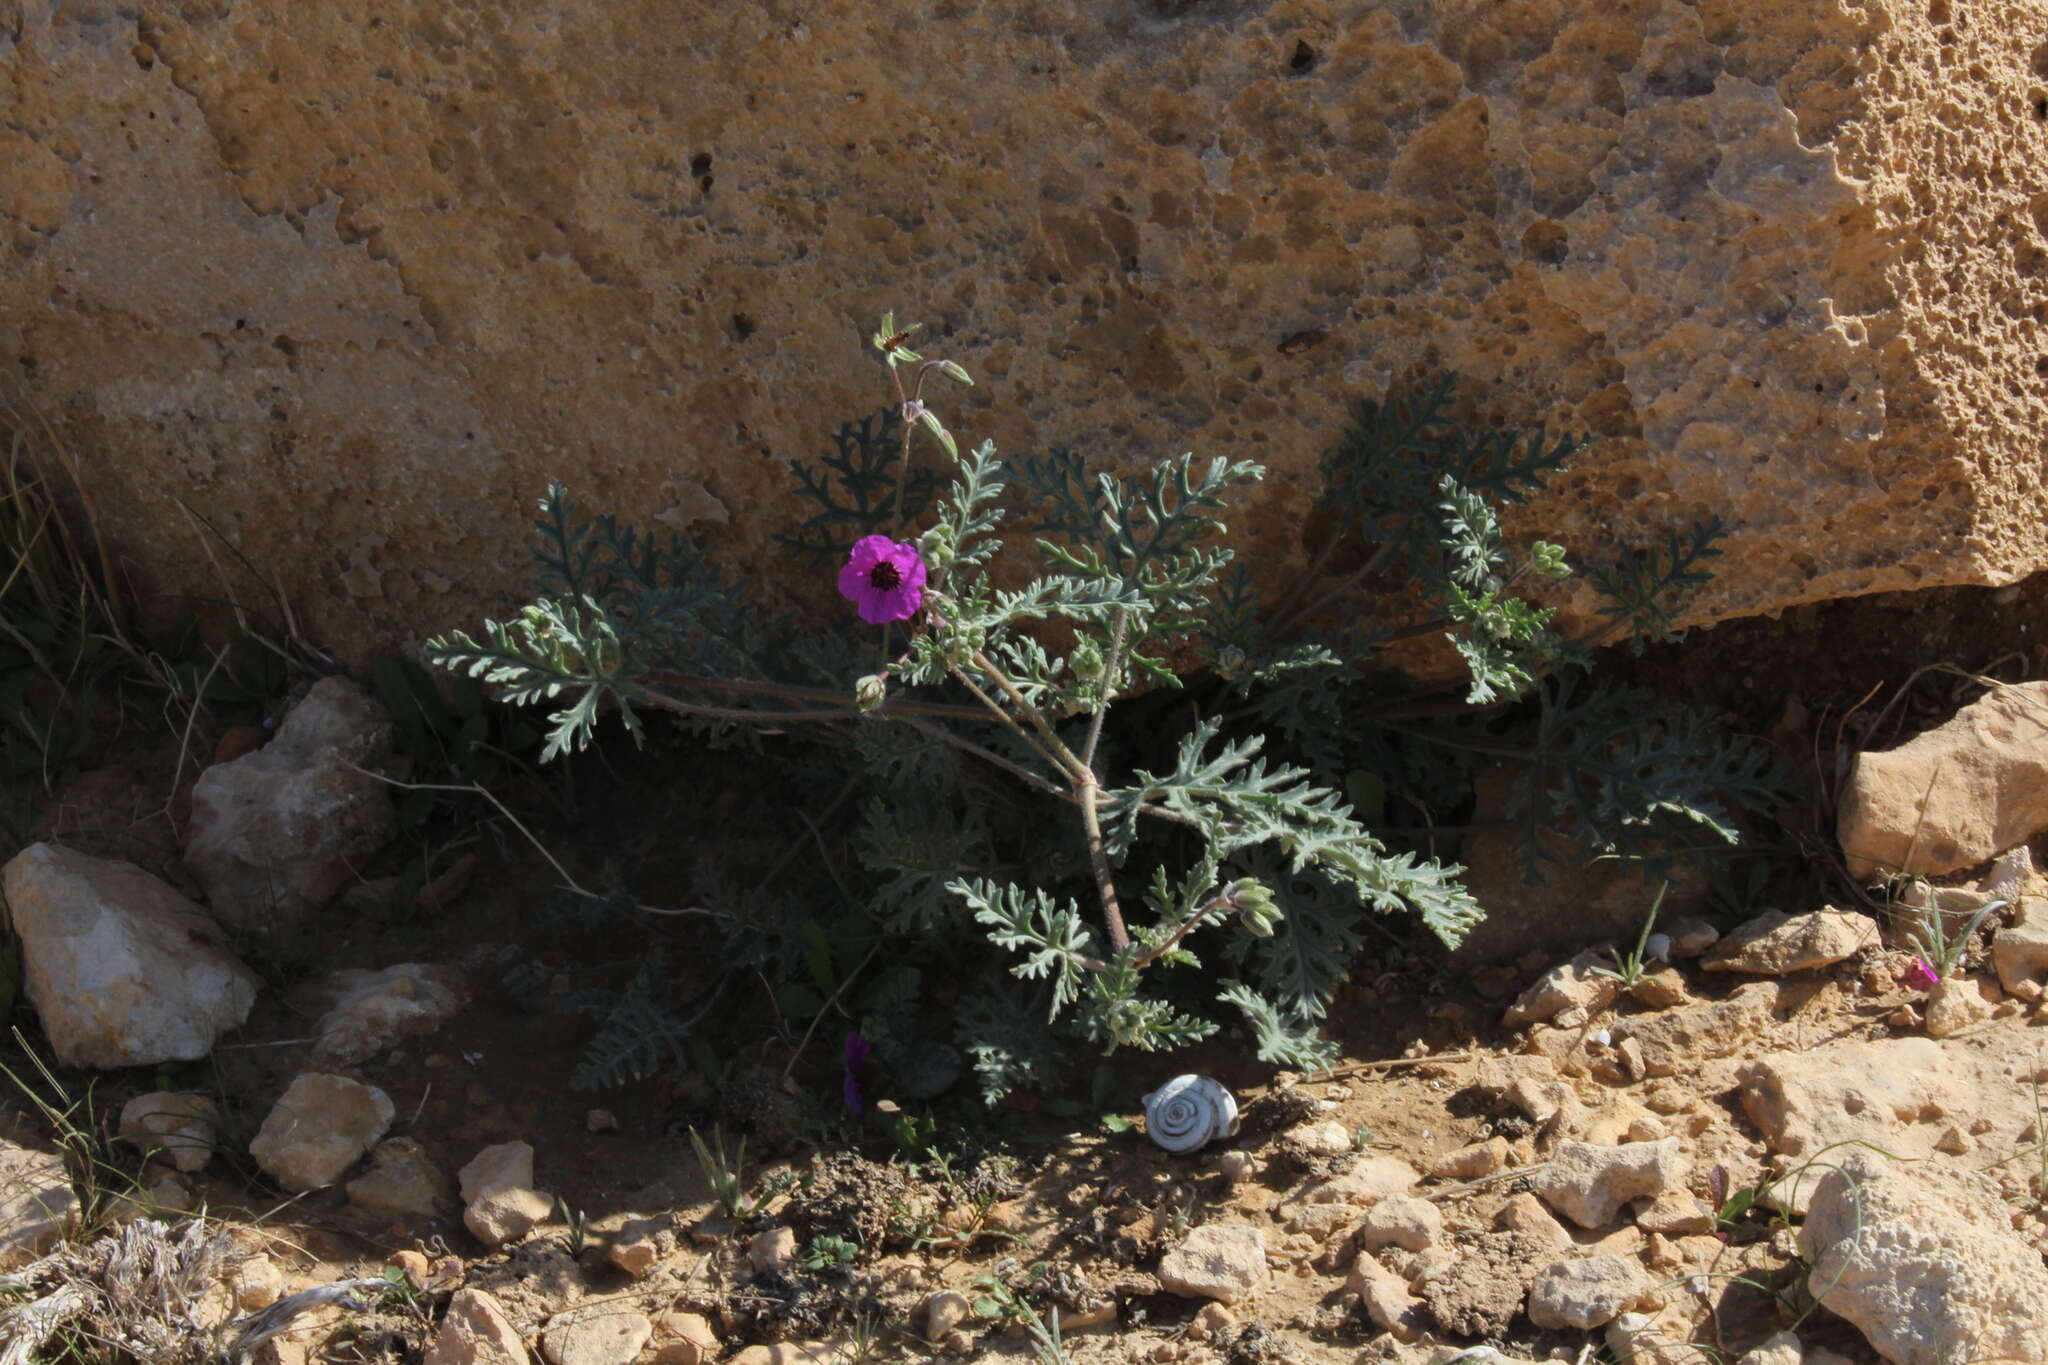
[
  {"x": 1030, "y": 740},
  {"x": 750, "y": 715},
  {"x": 988, "y": 755},
  {"x": 1109, "y": 671},
  {"x": 1080, "y": 771},
  {"x": 940, "y": 710},
  {"x": 1098, "y": 858},
  {"x": 1161, "y": 949}
]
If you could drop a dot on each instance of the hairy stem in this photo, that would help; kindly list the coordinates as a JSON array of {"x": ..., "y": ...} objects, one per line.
[
  {"x": 1098, "y": 858},
  {"x": 1031, "y": 741},
  {"x": 1166, "y": 945},
  {"x": 987, "y": 755},
  {"x": 740, "y": 687},
  {"x": 1109, "y": 670},
  {"x": 1068, "y": 760}
]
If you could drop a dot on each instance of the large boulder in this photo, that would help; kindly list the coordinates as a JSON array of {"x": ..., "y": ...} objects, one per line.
[
  {"x": 1924, "y": 1260},
  {"x": 1954, "y": 796},
  {"x": 122, "y": 970},
  {"x": 1784, "y": 258},
  {"x": 276, "y": 834}
]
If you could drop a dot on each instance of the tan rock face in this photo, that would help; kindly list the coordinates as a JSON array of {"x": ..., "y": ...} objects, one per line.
[
  {"x": 1956, "y": 795},
  {"x": 357, "y": 284}
]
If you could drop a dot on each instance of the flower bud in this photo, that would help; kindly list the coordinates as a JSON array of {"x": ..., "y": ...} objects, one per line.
[
  {"x": 1256, "y": 909},
  {"x": 1230, "y": 661},
  {"x": 936, "y": 545},
  {"x": 870, "y": 692},
  {"x": 1086, "y": 661}
]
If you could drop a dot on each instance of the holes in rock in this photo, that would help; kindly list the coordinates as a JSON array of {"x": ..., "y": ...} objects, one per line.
[
  {"x": 2040, "y": 106},
  {"x": 700, "y": 166},
  {"x": 743, "y": 326},
  {"x": 286, "y": 345},
  {"x": 2041, "y": 366},
  {"x": 1937, "y": 13},
  {"x": 1303, "y": 60},
  {"x": 2040, "y": 60},
  {"x": 1546, "y": 241}
]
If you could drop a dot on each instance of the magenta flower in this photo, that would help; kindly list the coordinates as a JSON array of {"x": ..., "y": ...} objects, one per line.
[
  {"x": 1922, "y": 974},
  {"x": 884, "y": 578}
]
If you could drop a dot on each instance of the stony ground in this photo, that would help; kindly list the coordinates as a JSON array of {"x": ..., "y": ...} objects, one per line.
[{"x": 1783, "y": 1142}]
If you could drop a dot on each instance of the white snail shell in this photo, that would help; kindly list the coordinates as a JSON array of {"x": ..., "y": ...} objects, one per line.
[
  {"x": 1657, "y": 948},
  {"x": 1189, "y": 1112}
]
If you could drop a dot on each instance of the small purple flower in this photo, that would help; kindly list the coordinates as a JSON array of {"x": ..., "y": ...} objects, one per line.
[
  {"x": 856, "y": 1050},
  {"x": 884, "y": 578},
  {"x": 1922, "y": 974}
]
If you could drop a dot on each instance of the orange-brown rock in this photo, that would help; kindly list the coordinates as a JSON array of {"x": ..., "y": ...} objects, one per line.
[{"x": 355, "y": 282}]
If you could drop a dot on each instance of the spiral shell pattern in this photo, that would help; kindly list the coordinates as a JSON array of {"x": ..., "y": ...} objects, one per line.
[{"x": 1188, "y": 1113}]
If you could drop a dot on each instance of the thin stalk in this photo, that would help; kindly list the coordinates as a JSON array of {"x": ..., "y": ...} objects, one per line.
[
  {"x": 1030, "y": 740},
  {"x": 1165, "y": 946},
  {"x": 1285, "y": 624},
  {"x": 740, "y": 687},
  {"x": 751, "y": 715},
  {"x": 988, "y": 755},
  {"x": 1067, "y": 758},
  {"x": 1109, "y": 671},
  {"x": 1098, "y": 858}
]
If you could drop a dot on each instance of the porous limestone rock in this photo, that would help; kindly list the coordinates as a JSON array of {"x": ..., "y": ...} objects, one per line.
[
  {"x": 1923, "y": 1260},
  {"x": 374, "y": 1010},
  {"x": 175, "y": 1125},
  {"x": 402, "y": 1180},
  {"x": 1364, "y": 1181},
  {"x": 495, "y": 1167},
  {"x": 1587, "y": 1293},
  {"x": 598, "y": 1339},
  {"x": 1224, "y": 1262},
  {"x": 1579, "y": 984},
  {"x": 318, "y": 1128},
  {"x": 1401, "y": 1220},
  {"x": 1775, "y": 943},
  {"x": 500, "y": 1204},
  {"x": 475, "y": 1331},
  {"x": 36, "y": 1202},
  {"x": 289, "y": 266},
  {"x": 122, "y": 970},
  {"x": 1385, "y": 1298},
  {"x": 1954, "y": 1004},
  {"x": 2019, "y": 952},
  {"x": 276, "y": 834},
  {"x": 1958, "y": 794},
  {"x": 1674, "y": 1040},
  {"x": 1588, "y": 1183},
  {"x": 684, "y": 1339}
]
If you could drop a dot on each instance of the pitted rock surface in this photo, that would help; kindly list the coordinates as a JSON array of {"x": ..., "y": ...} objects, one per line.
[
  {"x": 272, "y": 257},
  {"x": 1923, "y": 1259}
]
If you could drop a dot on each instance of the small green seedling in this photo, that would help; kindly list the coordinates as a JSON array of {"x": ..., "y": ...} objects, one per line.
[{"x": 1629, "y": 967}]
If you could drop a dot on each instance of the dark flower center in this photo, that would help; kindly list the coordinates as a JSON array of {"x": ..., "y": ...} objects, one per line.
[{"x": 884, "y": 576}]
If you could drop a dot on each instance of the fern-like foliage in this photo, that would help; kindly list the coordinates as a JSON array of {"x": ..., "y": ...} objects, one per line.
[
  {"x": 855, "y": 489},
  {"x": 638, "y": 1035},
  {"x": 1637, "y": 590},
  {"x": 1384, "y": 479},
  {"x": 1226, "y": 846},
  {"x": 1631, "y": 776}
]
